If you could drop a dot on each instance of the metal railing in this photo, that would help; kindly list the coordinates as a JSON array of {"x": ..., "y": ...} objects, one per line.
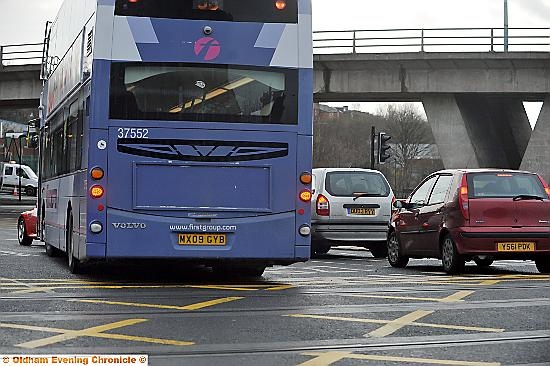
[
  {"x": 373, "y": 41},
  {"x": 431, "y": 40},
  {"x": 21, "y": 54}
]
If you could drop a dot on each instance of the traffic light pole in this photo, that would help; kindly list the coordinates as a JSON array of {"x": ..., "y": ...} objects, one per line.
[
  {"x": 372, "y": 137},
  {"x": 20, "y": 168}
]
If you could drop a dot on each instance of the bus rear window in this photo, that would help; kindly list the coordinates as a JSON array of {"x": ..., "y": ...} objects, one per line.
[
  {"x": 260, "y": 11},
  {"x": 504, "y": 185},
  {"x": 203, "y": 93}
]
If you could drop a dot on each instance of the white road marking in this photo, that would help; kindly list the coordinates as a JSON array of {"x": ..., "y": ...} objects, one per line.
[{"x": 17, "y": 254}]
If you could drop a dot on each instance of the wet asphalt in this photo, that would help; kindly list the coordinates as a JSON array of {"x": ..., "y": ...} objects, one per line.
[{"x": 343, "y": 308}]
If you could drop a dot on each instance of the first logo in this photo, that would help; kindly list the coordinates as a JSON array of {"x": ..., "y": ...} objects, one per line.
[{"x": 208, "y": 48}]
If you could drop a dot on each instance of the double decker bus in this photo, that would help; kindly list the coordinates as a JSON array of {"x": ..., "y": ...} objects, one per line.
[{"x": 178, "y": 129}]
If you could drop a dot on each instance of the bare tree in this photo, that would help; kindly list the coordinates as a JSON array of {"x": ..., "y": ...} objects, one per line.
[
  {"x": 411, "y": 140},
  {"x": 343, "y": 140}
]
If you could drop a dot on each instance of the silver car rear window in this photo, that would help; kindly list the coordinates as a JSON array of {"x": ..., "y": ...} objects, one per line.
[{"x": 350, "y": 184}]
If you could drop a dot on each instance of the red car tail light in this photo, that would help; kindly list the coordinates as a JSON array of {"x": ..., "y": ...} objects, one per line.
[
  {"x": 463, "y": 199},
  {"x": 322, "y": 206},
  {"x": 545, "y": 185}
]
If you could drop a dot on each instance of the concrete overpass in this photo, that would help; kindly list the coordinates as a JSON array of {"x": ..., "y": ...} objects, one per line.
[
  {"x": 473, "y": 100},
  {"x": 20, "y": 88},
  {"x": 20, "y": 83}
]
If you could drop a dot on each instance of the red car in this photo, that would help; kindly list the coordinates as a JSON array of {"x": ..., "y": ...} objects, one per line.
[
  {"x": 26, "y": 227},
  {"x": 481, "y": 215}
]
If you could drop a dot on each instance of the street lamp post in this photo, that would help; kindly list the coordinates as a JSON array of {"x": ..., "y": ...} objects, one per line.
[{"x": 505, "y": 25}]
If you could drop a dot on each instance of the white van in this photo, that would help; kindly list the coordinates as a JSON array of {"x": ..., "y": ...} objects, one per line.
[{"x": 9, "y": 178}]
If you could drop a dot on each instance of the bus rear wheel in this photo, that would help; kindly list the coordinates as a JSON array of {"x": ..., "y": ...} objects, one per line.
[
  {"x": 51, "y": 251},
  {"x": 74, "y": 263}
]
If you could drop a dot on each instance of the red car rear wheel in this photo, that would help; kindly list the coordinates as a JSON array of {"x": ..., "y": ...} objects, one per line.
[{"x": 22, "y": 236}]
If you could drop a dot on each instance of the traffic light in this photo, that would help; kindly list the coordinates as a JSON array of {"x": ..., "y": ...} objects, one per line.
[{"x": 383, "y": 147}]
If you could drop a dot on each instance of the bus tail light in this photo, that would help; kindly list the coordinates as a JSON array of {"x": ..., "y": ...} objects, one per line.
[
  {"x": 97, "y": 173},
  {"x": 280, "y": 4},
  {"x": 322, "y": 206},
  {"x": 305, "y": 195},
  {"x": 305, "y": 178},
  {"x": 97, "y": 191},
  {"x": 463, "y": 199}
]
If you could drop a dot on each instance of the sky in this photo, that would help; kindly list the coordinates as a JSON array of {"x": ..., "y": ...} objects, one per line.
[{"x": 24, "y": 21}]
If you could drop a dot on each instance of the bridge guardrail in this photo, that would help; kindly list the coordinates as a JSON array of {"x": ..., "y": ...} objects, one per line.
[
  {"x": 431, "y": 40},
  {"x": 373, "y": 41},
  {"x": 21, "y": 54}
]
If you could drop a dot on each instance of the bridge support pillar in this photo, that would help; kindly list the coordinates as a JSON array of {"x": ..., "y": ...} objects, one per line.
[
  {"x": 479, "y": 131},
  {"x": 537, "y": 155},
  {"x": 450, "y": 131}
]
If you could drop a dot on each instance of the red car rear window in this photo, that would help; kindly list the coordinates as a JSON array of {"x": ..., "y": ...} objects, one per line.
[{"x": 503, "y": 185}]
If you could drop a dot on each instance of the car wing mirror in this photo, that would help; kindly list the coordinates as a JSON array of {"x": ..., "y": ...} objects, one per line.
[{"x": 399, "y": 204}]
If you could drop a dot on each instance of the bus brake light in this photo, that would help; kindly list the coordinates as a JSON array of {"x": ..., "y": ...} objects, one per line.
[
  {"x": 305, "y": 195},
  {"x": 280, "y": 4},
  {"x": 97, "y": 191}
]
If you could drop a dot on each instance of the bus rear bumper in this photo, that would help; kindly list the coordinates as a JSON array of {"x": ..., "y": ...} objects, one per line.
[
  {"x": 95, "y": 250},
  {"x": 273, "y": 238}
]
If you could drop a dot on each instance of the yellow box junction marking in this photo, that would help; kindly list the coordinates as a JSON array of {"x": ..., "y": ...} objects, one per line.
[
  {"x": 398, "y": 323},
  {"x": 414, "y": 323},
  {"x": 38, "y": 285},
  {"x": 280, "y": 288},
  {"x": 27, "y": 288},
  {"x": 328, "y": 358},
  {"x": 224, "y": 287},
  {"x": 476, "y": 280},
  {"x": 196, "y": 306},
  {"x": 94, "y": 332},
  {"x": 456, "y": 297}
]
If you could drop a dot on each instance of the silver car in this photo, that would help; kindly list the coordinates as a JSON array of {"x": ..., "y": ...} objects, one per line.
[{"x": 350, "y": 207}]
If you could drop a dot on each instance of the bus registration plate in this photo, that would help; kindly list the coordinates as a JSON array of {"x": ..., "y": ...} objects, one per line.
[
  {"x": 516, "y": 247},
  {"x": 202, "y": 239}
]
